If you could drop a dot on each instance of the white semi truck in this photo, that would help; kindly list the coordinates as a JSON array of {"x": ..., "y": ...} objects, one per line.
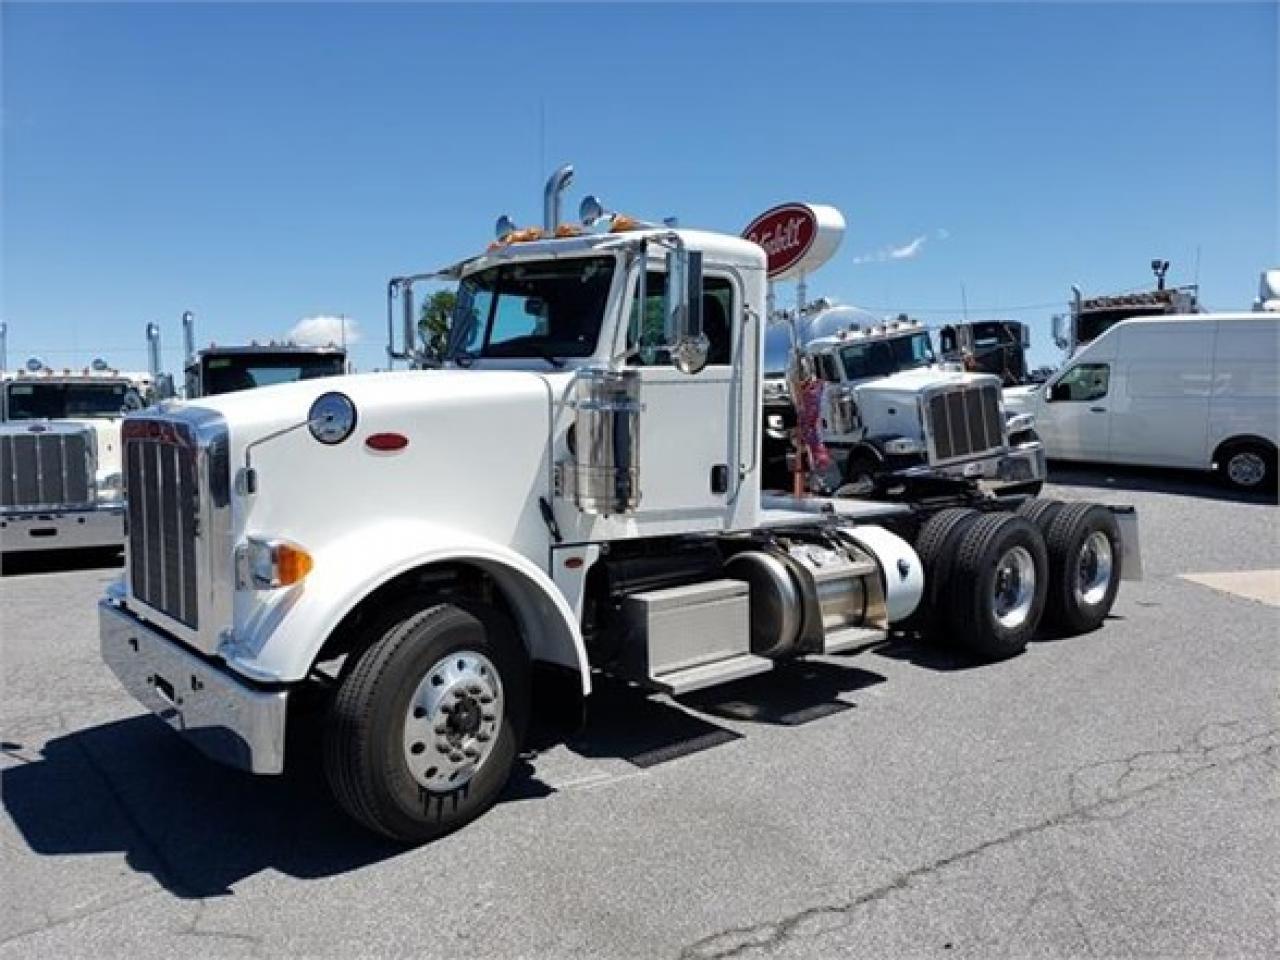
[
  {"x": 61, "y": 482},
  {"x": 890, "y": 409},
  {"x": 435, "y": 552}
]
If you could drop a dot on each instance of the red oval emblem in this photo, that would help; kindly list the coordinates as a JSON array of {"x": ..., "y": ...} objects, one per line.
[
  {"x": 786, "y": 233},
  {"x": 386, "y": 441}
]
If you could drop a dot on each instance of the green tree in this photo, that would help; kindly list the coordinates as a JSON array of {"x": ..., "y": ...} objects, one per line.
[{"x": 433, "y": 321}]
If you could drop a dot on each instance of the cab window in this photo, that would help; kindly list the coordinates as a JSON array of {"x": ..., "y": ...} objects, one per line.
[
  {"x": 717, "y": 311},
  {"x": 1088, "y": 381}
]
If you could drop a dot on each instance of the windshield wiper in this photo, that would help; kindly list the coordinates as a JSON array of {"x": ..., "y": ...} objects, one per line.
[{"x": 550, "y": 357}]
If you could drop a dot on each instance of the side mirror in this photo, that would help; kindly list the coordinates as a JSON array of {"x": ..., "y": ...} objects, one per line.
[
  {"x": 410, "y": 320},
  {"x": 682, "y": 311},
  {"x": 1026, "y": 337},
  {"x": 1060, "y": 332}
]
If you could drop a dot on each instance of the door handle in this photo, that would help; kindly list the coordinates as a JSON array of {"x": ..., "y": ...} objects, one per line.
[{"x": 1098, "y": 409}]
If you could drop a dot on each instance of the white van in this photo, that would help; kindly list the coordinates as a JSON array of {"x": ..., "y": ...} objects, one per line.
[{"x": 1198, "y": 391}]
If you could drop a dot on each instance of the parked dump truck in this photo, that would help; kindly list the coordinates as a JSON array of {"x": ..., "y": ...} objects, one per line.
[
  {"x": 224, "y": 368},
  {"x": 60, "y": 474},
  {"x": 427, "y": 554},
  {"x": 1091, "y": 317}
]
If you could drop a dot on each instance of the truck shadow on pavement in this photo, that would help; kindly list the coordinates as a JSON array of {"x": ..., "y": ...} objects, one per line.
[
  {"x": 133, "y": 787},
  {"x": 1186, "y": 483}
]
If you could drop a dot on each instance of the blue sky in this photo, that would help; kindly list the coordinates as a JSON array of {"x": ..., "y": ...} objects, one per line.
[{"x": 262, "y": 163}]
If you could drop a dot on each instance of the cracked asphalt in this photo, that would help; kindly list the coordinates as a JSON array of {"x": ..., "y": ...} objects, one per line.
[{"x": 1110, "y": 795}]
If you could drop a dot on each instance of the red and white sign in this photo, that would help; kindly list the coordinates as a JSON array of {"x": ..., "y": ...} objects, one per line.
[{"x": 797, "y": 237}]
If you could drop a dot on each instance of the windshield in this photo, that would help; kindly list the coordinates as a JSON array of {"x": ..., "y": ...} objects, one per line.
[
  {"x": 548, "y": 309},
  {"x": 226, "y": 374},
  {"x": 880, "y": 358},
  {"x": 994, "y": 334},
  {"x": 69, "y": 401}
]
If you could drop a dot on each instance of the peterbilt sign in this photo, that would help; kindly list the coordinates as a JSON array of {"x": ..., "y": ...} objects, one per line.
[{"x": 797, "y": 237}]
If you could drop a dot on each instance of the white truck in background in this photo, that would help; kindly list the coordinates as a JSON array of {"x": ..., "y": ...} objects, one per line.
[
  {"x": 432, "y": 553},
  {"x": 1196, "y": 391},
  {"x": 890, "y": 409},
  {"x": 61, "y": 483}
]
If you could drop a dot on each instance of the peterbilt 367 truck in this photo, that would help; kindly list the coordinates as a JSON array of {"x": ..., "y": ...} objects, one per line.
[
  {"x": 61, "y": 482},
  {"x": 889, "y": 408},
  {"x": 434, "y": 552}
]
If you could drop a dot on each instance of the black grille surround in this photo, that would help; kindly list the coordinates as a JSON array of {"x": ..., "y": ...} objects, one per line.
[
  {"x": 46, "y": 466},
  {"x": 965, "y": 422},
  {"x": 162, "y": 495}
]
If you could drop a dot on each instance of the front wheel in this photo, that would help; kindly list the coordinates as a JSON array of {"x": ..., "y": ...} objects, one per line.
[{"x": 426, "y": 725}]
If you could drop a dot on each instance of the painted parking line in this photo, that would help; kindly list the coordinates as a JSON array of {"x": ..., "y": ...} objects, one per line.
[{"x": 1260, "y": 585}]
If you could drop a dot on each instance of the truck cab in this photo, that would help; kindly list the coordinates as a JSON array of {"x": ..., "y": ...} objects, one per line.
[
  {"x": 988, "y": 346},
  {"x": 574, "y": 489},
  {"x": 223, "y": 369},
  {"x": 60, "y": 469}
]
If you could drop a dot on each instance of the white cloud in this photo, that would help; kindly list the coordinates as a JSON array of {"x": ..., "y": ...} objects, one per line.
[
  {"x": 906, "y": 251},
  {"x": 322, "y": 330}
]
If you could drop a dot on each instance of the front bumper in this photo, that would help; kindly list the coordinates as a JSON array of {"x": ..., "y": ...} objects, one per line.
[
  {"x": 225, "y": 717},
  {"x": 62, "y": 530},
  {"x": 1022, "y": 463}
]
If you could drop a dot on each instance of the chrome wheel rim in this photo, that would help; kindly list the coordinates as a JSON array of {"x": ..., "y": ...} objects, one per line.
[
  {"x": 1014, "y": 587},
  {"x": 1246, "y": 469},
  {"x": 453, "y": 721},
  {"x": 1093, "y": 569}
]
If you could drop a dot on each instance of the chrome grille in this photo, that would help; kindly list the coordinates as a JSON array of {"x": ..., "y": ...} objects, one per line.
[
  {"x": 162, "y": 496},
  {"x": 965, "y": 422},
  {"x": 46, "y": 466}
]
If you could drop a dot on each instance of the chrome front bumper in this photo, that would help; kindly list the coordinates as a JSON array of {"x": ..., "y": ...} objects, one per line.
[
  {"x": 223, "y": 716},
  {"x": 1023, "y": 463},
  {"x": 62, "y": 530}
]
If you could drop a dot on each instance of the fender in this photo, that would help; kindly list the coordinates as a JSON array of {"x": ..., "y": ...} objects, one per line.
[{"x": 277, "y": 637}]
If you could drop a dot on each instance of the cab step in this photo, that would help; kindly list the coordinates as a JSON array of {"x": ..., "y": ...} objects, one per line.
[{"x": 688, "y": 679}]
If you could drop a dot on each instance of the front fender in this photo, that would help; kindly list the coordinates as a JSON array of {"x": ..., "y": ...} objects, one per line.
[{"x": 278, "y": 636}]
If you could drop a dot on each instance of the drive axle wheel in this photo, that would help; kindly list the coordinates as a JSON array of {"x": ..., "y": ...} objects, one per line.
[
  {"x": 936, "y": 546},
  {"x": 997, "y": 589},
  {"x": 1084, "y": 567},
  {"x": 425, "y": 727}
]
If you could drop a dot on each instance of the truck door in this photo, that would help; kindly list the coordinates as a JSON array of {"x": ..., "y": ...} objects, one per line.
[
  {"x": 1075, "y": 420},
  {"x": 688, "y": 463}
]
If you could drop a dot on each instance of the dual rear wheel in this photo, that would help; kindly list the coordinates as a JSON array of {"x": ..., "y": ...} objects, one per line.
[{"x": 993, "y": 580}]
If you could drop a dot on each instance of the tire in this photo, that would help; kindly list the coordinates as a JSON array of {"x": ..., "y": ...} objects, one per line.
[
  {"x": 1248, "y": 465},
  {"x": 860, "y": 472},
  {"x": 935, "y": 545},
  {"x": 1040, "y": 512},
  {"x": 993, "y": 609},
  {"x": 1083, "y": 541},
  {"x": 379, "y": 772}
]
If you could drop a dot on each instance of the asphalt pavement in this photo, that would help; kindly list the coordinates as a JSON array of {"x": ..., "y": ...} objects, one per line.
[{"x": 1113, "y": 795}]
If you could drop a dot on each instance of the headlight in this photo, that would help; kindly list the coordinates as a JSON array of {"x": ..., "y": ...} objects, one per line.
[
  {"x": 900, "y": 446},
  {"x": 267, "y": 564},
  {"x": 332, "y": 418},
  {"x": 110, "y": 487}
]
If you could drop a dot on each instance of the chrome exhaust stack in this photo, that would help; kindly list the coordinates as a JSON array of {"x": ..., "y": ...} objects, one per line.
[
  {"x": 557, "y": 183},
  {"x": 189, "y": 336},
  {"x": 153, "y": 351}
]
